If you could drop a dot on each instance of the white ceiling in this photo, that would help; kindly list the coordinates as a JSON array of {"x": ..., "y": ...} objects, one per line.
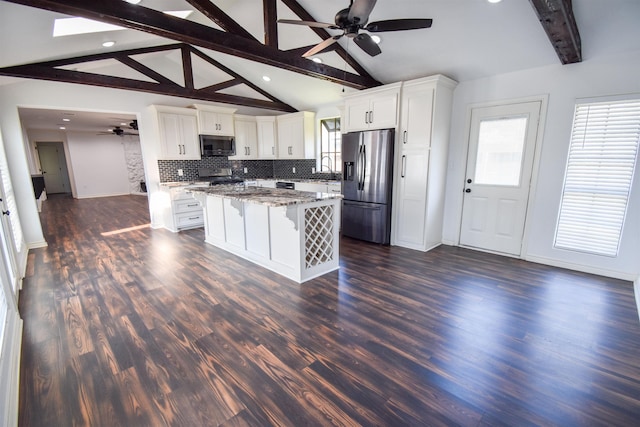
[{"x": 469, "y": 39}]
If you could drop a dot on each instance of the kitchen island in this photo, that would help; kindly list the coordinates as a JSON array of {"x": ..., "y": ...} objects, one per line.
[{"x": 294, "y": 233}]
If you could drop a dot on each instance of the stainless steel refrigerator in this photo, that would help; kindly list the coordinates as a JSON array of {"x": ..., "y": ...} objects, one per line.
[{"x": 367, "y": 177}]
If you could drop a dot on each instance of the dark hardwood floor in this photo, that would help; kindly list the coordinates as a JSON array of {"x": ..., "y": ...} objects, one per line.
[{"x": 129, "y": 326}]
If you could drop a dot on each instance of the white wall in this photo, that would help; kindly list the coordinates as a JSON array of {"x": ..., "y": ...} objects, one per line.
[
  {"x": 98, "y": 163},
  {"x": 614, "y": 75}
]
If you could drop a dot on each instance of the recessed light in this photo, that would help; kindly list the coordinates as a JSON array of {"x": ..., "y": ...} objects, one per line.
[
  {"x": 376, "y": 39},
  {"x": 133, "y": 1},
  {"x": 317, "y": 60},
  {"x": 494, "y": 1},
  {"x": 108, "y": 44},
  {"x": 66, "y": 120},
  {"x": 266, "y": 78},
  {"x": 62, "y": 128}
]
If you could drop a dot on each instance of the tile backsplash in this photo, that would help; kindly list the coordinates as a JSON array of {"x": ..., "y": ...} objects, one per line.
[{"x": 282, "y": 169}]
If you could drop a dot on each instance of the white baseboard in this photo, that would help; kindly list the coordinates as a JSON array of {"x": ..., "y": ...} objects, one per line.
[
  {"x": 580, "y": 267},
  {"x": 636, "y": 290},
  {"x": 39, "y": 244},
  {"x": 95, "y": 196}
]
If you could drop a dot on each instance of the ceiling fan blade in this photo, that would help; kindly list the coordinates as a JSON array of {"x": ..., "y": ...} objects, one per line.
[
  {"x": 398, "y": 25},
  {"x": 309, "y": 23},
  {"x": 360, "y": 10},
  {"x": 321, "y": 46},
  {"x": 367, "y": 44}
]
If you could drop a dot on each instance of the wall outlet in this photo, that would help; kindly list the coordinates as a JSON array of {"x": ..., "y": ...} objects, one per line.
[
  {"x": 180, "y": 172},
  {"x": 313, "y": 170},
  {"x": 293, "y": 170},
  {"x": 246, "y": 170}
]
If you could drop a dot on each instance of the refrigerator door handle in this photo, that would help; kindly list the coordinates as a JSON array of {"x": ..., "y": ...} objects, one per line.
[
  {"x": 361, "y": 166},
  {"x": 404, "y": 165},
  {"x": 364, "y": 165}
]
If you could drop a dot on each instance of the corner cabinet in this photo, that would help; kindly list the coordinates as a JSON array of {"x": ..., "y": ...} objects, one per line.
[
  {"x": 421, "y": 162},
  {"x": 177, "y": 133},
  {"x": 296, "y": 136},
  {"x": 214, "y": 120},
  {"x": 267, "y": 137},
  {"x": 246, "y": 138},
  {"x": 375, "y": 108}
]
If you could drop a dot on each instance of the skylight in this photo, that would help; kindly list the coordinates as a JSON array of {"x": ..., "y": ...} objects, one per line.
[{"x": 74, "y": 26}]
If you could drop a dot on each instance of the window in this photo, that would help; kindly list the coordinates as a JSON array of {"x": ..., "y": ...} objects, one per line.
[
  {"x": 600, "y": 167},
  {"x": 330, "y": 145}
]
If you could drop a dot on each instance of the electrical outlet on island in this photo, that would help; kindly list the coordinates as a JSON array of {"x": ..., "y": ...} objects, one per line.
[
  {"x": 180, "y": 172},
  {"x": 293, "y": 170}
]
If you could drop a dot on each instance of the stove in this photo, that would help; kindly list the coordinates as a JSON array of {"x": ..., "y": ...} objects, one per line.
[{"x": 218, "y": 176}]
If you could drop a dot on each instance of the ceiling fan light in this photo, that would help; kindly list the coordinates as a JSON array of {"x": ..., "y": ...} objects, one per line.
[
  {"x": 266, "y": 78},
  {"x": 376, "y": 38},
  {"x": 133, "y": 1},
  {"x": 317, "y": 60},
  {"x": 108, "y": 44}
]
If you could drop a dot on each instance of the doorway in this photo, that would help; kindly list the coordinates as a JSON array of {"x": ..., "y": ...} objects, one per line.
[
  {"x": 502, "y": 143},
  {"x": 53, "y": 165}
]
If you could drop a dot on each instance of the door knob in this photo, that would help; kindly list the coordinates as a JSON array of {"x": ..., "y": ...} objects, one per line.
[
  {"x": 469, "y": 181},
  {"x": 7, "y": 213},
  {"x": 468, "y": 190}
]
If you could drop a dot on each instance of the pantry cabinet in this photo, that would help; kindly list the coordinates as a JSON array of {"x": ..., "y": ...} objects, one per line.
[
  {"x": 177, "y": 133},
  {"x": 421, "y": 162}
]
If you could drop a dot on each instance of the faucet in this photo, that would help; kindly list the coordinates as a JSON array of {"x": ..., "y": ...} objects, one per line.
[{"x": 331, "y": 174}]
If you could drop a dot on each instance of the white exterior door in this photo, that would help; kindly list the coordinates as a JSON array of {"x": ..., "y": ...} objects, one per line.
[{"x": 501, "y": 151}]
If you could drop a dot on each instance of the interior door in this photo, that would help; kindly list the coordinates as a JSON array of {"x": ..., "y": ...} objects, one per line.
[
  {"x": 501, "y": 150},
  {"x": 53, "y": 170}
]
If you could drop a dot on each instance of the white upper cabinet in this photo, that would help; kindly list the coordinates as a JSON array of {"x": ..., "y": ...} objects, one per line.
[
  {"x": 215, "y": 120},
  {"x": 372, "y": 109},
  {"x": 267, "y": 137},
  {"x": 246, "y": 138},
  {"x": 177, "y": 133},
  {"x": 296, "y": 135}
]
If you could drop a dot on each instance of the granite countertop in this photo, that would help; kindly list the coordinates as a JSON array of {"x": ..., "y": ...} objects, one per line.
[{"x": 274, "y": 197}]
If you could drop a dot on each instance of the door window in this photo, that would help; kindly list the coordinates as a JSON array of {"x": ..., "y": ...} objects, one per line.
[{"x": 500, "y": 148}]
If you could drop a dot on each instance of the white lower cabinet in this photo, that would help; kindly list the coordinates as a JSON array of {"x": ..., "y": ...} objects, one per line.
[
  {"x": 234, "y": 222},
  {"x": 257, "y": 229},
  {"x": 319, "y": 187},
  {"x": 421, "y": 162},
  {"x": 184, "y": 211}
]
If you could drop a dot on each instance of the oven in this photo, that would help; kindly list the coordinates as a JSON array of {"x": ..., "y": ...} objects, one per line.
[{"x": 286, "y": 185}]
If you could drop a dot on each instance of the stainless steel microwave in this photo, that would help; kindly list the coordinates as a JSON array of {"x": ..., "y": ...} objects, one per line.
[{"x": 215, "y": 145}]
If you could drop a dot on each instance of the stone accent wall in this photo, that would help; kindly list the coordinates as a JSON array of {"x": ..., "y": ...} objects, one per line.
[{"x": 135, "y": 167}]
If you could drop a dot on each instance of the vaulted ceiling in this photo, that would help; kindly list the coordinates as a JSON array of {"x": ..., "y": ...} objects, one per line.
[{"x": 222, "y": 50}]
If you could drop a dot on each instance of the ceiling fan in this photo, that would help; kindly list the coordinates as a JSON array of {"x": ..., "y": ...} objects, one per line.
[
  {"x": 117, "y": 130},
  {"x": 353, "y": 19}
]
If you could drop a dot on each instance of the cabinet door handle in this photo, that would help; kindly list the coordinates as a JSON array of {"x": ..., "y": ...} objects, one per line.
[
  {"x": 290, "y": 150},
  {"x": 404, "y": 137},
  {"x": 366, "y": 117},
  {"x": 248, "y": 151},
  {"x": 370, "y": 116},
  {"x": 404, "y": 166},
  {"x": 184, "y": 149},
  {"x": 273, "y": 151},
  {"x": 191, "y": 206}
]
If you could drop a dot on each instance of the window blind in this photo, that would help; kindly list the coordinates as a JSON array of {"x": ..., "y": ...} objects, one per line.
[{"x": 597, "y": 184}]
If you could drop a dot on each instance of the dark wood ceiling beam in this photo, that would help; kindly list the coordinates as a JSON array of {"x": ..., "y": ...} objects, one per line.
[
  {"x": 558, "y": 21},
  {"x": 36, "y": 71},
  {"x": 151, "y": 21},
  {"x": 301, "y": 50},
  {"x": 270, "y": 14},
  {"x": 143, "y": 69},
  {"x": 236, "y": 75},
  {"x": 187, "y": 68},
  {"x": 224, "y": 21},
  {"x": 221, "y": 86},
  {"x": 324, "y": 34}
]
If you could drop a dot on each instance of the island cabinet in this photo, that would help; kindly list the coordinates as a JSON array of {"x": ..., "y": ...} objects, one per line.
[
  {"x": 267, "y": 137},
  {"x": 320, "y": 187},
  {"x": 292, "y": 233},
  {"x": 421, "y": 162},
  {"x": 183, "y": 210},
  {"x": 214, "y": 120},
  {"x": 370, "y": 109},
  {"x": 246, "y": 138},
  {"x": 296, "y": 135},
  {"x": 177, "y": 133}
]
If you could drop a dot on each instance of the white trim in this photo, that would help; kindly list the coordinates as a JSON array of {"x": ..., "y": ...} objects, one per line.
[
  {"x": 10, "y": 372},
  {"x": 95, "y": 196},
  {"x": 636, "y": 291},
  {"x": 580, "y": 267},
  {"x": 39, "y": 244}
]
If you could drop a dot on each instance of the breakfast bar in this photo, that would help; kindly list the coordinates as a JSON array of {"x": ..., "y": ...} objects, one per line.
[{"x": 293, "y": 233}]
